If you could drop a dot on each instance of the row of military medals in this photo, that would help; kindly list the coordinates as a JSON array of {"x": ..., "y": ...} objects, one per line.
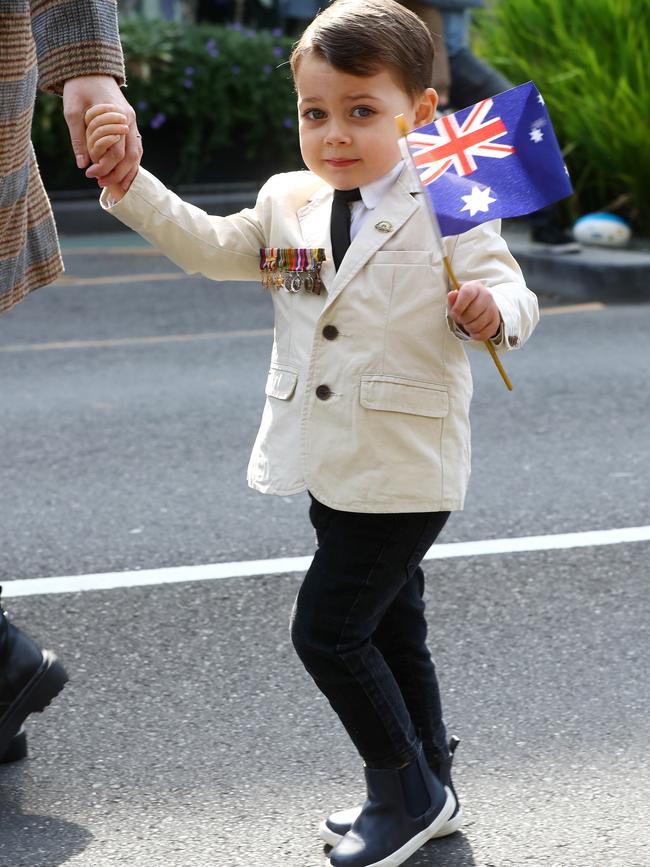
[{"x": 293, "y": 269}]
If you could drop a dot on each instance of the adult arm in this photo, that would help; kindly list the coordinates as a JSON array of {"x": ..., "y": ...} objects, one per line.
[{"x": 80, "y": 58}]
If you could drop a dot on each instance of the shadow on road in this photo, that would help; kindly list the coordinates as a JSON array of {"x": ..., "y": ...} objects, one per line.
[
  {"x": 454, "y": 851},
  {"x": 29, "y": 840}
]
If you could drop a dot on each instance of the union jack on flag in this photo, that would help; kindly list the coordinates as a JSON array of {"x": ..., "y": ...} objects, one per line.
[{"x": 498, "y": 158}]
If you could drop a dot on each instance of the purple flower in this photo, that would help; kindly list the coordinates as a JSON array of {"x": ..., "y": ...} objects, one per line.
[
  {"x": 142, "y": 105},
  {"x": 188, "y": 84},
  {"x": 251, "y": 34},
  {"x": 235, "y": 26},
  {"x": 235, "y": 70},
  {"x": 211, "y": 48},
  {"x": 287, "y": 123},
  {"x": 277, "y": 32},
  {"x": 189, "y": 70},
  {"x": 158, "y": 120},
  {"x": 267, "y": 70},
  {"x": 279, "y": 52}
]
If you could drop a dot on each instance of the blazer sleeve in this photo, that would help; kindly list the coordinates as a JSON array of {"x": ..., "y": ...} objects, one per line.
[
  {"x": 482, "y": 254},
  {"x": 221, "y": 248},
  {"x": 76, "y": 37}
]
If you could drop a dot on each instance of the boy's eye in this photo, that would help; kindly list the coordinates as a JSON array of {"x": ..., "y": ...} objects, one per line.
[
  {"x": 362, "y": 111},
  {"x": 315, "y": 114}
]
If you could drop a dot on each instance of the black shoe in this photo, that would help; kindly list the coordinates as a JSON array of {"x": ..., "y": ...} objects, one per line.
[
  {"x": 336, "y": 826},
  {"x": 554, "y": 238},
  {"x": 29, "y": 679},
  {"x": 17, "y": 749},
  {"x": 406, "y": 807}
]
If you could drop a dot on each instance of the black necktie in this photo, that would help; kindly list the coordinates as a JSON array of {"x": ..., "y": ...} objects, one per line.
[{"x": 340, "y": 222}]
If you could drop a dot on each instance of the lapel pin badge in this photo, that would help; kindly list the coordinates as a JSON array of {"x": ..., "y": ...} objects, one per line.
[{"x": 384, "y": 226}]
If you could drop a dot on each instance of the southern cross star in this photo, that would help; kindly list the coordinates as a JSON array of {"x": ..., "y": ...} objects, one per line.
[
  {"x": 536, "y": 134},
  {"x": 478, "y": 200}
]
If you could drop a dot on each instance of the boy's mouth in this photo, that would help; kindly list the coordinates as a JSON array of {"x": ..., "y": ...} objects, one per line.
[{"x": 341, "y": 163}]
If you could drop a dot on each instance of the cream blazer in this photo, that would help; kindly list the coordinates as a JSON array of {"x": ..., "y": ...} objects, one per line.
[{"x": 390, "y": 432}]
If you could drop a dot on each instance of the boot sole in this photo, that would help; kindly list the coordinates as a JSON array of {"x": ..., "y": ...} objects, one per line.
[
  {"x": 450, "y": 827},
  {"x": 45, "y": 685},
  {"x": 17, "y": 749},
  {"x": 408, "y": 849}
]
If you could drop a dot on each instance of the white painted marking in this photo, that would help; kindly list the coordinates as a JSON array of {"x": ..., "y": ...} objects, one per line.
[{"x": 284, "y": 565}]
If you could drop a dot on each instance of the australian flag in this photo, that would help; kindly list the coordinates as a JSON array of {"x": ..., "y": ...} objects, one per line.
[{"x": 498, "y": 158}]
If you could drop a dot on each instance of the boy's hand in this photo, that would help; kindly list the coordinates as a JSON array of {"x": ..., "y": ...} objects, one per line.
[
  {"x": 105, "y": 127},
  {"x": 474, "y": 309}
]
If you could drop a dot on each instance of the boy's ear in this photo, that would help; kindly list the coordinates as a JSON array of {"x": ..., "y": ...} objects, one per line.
[{"x": 425, "y": 107}]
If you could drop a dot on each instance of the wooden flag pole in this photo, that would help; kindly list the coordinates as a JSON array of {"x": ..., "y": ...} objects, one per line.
[{"x": 435, "y": 226}]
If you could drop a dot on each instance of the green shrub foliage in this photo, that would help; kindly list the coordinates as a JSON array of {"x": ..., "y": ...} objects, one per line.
[
  {"x": 214, "y": 104},
  {"x": 591, "y": 61}
]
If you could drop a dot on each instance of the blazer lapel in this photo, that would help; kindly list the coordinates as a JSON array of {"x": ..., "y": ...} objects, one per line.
[
  {"x": 380, "y": 224},
  {"x": 390, "y": 215}
]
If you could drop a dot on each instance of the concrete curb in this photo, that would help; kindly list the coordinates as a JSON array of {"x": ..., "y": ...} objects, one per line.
[{"x": 609, "y": 275}]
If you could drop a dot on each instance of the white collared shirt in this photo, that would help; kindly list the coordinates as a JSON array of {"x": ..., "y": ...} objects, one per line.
[{"x": 371, "y": 196}]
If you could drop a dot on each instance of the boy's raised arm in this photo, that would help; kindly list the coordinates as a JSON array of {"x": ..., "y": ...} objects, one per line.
[{"x": 222, "y": 248}]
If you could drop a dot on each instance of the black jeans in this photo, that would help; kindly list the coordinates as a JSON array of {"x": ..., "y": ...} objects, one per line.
[{"x": 358, "y": 626}]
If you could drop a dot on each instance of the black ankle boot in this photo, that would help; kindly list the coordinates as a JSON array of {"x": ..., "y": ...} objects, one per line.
[
  {"x": 17, "y": 749},
  {"x": 29, "y": 679},
  {"x": 405, "y": 808},
  {"x": 336, "y": 826}
]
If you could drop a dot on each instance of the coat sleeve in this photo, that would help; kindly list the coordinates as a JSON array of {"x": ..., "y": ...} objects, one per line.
[
  {"x": 221, "y": 248},
  {"x": 482, "y": 254},
  {"x": 76, "y": 37}
]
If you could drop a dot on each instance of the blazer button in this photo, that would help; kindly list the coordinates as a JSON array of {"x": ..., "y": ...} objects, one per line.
[
  {"x": 323, "y": 392},
  {"x": 330, "y": 332}
]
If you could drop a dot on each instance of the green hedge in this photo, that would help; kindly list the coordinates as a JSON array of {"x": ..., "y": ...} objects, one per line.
[
  {"x": 214, "y": 104},
  {"x": 591, "y": 61}
]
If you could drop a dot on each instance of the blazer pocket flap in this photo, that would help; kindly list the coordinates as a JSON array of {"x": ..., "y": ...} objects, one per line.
[
  {"x": 281, "y": 383},
  {"x": 412, "y": 396}
]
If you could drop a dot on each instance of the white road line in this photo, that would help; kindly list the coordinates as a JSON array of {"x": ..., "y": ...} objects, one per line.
[{"x": 284, "y": 565}]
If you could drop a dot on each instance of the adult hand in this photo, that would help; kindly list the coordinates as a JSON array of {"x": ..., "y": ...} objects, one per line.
[
  {"x": 120, "y": 164},
  {"x": 474, "y": 309}
]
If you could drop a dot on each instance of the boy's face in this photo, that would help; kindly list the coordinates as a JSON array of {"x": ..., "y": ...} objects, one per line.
[{"x": 348, "y": 134}]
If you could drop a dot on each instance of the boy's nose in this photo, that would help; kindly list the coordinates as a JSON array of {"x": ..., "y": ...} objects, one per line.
[{"x": 337, "y": 134}]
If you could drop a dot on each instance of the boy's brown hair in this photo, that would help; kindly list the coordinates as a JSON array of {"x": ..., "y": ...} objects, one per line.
[{"x": 362, "y": 37}]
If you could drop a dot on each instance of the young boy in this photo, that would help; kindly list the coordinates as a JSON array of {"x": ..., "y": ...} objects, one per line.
[{"x": 367, "y": 397}]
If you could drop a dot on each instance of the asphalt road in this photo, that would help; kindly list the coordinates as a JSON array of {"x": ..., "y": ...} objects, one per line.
[{"x": 189, "y": 735}]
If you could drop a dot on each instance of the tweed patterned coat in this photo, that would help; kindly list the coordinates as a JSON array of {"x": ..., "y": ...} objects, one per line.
[{"x": 42, "y": 42}]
